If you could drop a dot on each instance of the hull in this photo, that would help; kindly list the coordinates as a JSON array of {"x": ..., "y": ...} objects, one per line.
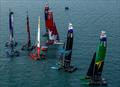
[
  {"x": 12, "y": 53},
  {"x": 38, "y": 55}
]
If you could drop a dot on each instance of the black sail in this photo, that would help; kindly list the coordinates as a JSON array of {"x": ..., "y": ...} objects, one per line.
[
  {"x": 90, "y": 72},
  {"x": 69, "y": 46}
]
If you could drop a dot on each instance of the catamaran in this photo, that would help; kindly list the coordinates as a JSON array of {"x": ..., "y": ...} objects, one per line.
[
  {"x": 12, "y": 40},
  {"x": 11, "y": 44},
  {"x": 27, "y": 46},
  {"x": 66, "y": 53},
  {"x": 39, "y": 52},
  {"x": 94, "y": 74},
  {"x": 51, "y": 29}
]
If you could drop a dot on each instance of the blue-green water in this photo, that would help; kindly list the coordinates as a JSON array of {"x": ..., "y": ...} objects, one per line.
[{"x": 89, "y": 17}]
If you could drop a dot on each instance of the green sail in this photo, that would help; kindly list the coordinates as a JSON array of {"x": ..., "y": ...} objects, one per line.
[{"x": 101, "y": 52}]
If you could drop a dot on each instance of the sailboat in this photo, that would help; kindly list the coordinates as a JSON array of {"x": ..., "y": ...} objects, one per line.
[
  {"x": 39, "y": 54},
  {"x": 94, "y": 74},
  {"x": 11, "y": 44},
  {"x": 27, "y": 46},
  {"x": 66, "y": 54},
  {"x": 51, "y": 29}
]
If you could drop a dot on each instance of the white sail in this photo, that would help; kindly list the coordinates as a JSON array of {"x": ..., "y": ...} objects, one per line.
[
  {"x": 38, "y": 37},
  {"x": 51, "y": 37}
]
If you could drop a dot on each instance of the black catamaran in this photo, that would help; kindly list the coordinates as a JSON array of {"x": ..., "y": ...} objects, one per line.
[
  {"x": 96, "y": 67},
  {"x": 27, "y": 46},
  {"x": 11, "y": 44},
  {"x": 65, "y": 58},
  {"x": 12, "y": 40}
]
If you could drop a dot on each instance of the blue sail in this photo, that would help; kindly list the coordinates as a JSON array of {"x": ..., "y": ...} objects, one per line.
[
  {"x": 11, "y": 42},
  {"x": 11, "y": 25}
]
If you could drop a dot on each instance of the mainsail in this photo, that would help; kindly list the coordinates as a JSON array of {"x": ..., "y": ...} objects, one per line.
[{"x": 51, "y": 29}]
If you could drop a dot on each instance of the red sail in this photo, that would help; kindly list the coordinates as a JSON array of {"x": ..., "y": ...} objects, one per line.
[
  {"x": 50, "y": 24},
  {"x": 55, "y": 29},
  {"x": 46, "y": 14}
]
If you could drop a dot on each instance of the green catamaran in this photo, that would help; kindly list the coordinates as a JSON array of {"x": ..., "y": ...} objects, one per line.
[{"x": 96, "y": 67}]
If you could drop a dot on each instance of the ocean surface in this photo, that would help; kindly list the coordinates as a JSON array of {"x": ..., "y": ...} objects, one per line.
[{"x": 89, "y": 17}]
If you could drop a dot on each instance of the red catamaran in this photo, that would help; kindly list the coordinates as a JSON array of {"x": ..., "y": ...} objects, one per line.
[
  {"x": 51, "y": 29},
  {"x": 38, "y": 49}
]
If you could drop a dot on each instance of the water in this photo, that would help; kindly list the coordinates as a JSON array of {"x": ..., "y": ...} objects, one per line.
[{"x": 89, "y": 17}]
